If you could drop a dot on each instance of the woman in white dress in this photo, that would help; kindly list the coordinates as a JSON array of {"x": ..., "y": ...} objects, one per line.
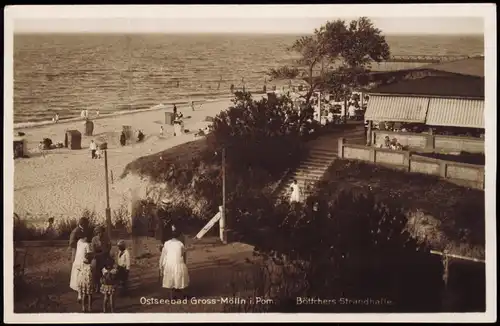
[
  {"x": 82, "y": 248},
  {"x": 173, "y": 264},
  {"x": 295, "y": 195}
]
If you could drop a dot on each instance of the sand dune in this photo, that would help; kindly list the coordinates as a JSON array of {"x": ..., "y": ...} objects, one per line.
[{"x": 62, "y": 182}]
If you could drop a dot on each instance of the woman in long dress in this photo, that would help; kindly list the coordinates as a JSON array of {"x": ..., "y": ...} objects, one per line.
[
  {"x": 173, "y": 264},
  {"x": 82, "y": 248},
  {"x": 295, "y": 195}
]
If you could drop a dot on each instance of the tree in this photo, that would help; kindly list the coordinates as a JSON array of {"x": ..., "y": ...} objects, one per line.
[
  {"x": 260, "y": 134},
  {"x": 351, "y": 47}
]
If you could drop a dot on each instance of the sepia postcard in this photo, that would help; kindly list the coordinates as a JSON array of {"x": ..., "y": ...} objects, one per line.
[{"x": 235, "y": 163}]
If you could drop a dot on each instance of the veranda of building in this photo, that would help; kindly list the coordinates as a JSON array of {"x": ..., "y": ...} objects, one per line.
[{"x": 444, "y": 101}]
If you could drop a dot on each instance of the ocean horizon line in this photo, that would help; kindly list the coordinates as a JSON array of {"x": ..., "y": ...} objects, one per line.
[{"x": 224, "y": 33}]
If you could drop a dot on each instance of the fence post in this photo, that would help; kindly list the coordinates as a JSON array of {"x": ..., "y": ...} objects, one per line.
[
  {"x": 341, "y": 147},
  {"x": 483, "y": 179},
  {"x": 370, "y": 133},
  {"x": 446, "y": 263},
  {"x": 407, "y": 161},
  {"x": 442, "y": 169},
  {"x": 446, "y": 298},
  {"x": 429, "y": 141},
  {"x": 222, "y": 225}
]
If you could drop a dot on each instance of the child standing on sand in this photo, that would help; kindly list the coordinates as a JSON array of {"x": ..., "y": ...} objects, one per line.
[
  {"x": 123, "y": 265},
  {"x": 98, "y": 153},
  {"x": 93, "y": 149},
  {"x": 108, "y": 285},
  {"x": 161, "y": 130}
]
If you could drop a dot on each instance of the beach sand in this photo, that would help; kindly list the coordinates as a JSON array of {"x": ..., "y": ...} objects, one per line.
[{"x": 61, "y": 183}]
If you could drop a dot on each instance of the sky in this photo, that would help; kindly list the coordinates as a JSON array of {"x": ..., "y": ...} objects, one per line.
[
  {"x": 466, "y": 25},
  {"x": 277, "y": 19}
]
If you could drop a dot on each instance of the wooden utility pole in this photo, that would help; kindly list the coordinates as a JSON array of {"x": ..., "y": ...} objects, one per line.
[
  {"x": 222, "y": 221},
  {"x": 108, "y": 210}
]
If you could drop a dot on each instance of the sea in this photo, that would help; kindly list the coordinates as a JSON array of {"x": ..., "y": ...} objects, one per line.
[{"x": 65, "y": 73}]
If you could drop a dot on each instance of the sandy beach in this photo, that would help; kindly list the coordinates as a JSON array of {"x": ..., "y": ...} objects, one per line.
[{"x": 61, "y": 183}]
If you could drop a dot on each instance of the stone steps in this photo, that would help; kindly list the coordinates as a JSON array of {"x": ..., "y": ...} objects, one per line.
[{"x": 322, "y": 153}]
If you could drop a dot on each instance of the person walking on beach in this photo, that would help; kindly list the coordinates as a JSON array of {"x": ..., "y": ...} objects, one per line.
[
  {"x": 175, "y": 110},
  {"x": 56, "y": 118},
  {"x": 93, "y": 149},
  {"x": 161, "y": 130},
  {"x": 97, "y": 113},
  {"x": 82, "y": 114},
  {"x": 295, "y": 192},
  {"x": 192, "y": 105},
  {"x": 173, "y": 266},
  {"x": 77, "y": 234},
  {"x": 123, "y": 139}
]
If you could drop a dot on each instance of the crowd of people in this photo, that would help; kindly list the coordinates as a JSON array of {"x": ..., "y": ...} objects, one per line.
[
  {"x": 95, "y": 270},
  {"x": 391, "y": 144}
]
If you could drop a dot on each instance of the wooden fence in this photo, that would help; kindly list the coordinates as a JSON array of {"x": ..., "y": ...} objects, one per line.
[
  {"x": 431, "y": 142},
  {"x": 470, "y": 175}
]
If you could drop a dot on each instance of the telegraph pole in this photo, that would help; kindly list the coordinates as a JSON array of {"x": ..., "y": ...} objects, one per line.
[
  {"x": 108, "y": 210},
  {"x": 222, "y": 222}
]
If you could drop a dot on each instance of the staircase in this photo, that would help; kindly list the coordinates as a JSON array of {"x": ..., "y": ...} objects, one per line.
[
  {"x": 322, "y": 153},
  {"x": 310, "y": 171}
]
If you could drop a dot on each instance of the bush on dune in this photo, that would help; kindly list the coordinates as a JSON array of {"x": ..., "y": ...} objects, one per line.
[
  {"x": 261, "y": 140},
  {"x": 25, "y": 231},
  {"x": 344, "y": 245},
  {"x": 459, "y": 210}
]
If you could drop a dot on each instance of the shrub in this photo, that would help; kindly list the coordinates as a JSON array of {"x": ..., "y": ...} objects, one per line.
[
  {"x": 348, "y": 245},
  {"x": 262, "y": 139},
  {"x": 262, "y": 134},
  {"x": 458, "y": 210},
  {"x": 23, "y": 231}
]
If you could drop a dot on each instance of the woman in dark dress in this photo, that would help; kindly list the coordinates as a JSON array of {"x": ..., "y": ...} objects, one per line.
[
  {"x": 123, "y": 139},
  {"x": 101, "y": 247}
]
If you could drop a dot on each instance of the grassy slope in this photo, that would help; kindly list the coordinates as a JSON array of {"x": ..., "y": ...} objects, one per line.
[
  {"x": 450, "y": 216},
  {"x": 156, "y": 165}
]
